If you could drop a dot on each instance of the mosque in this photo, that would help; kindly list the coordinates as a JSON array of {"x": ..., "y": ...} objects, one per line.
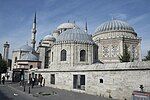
[{"x": 70, "y": 58}]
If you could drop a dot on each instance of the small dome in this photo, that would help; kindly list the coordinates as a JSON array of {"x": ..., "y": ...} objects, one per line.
[
  {"x": 67, "y": 26},
  {"x": 29, "y": 57},
  {"x": 26, "y": 48},
  {"x": 74, "y": 35},
  {"x": 114, "y": 25},
  {"x": 49, "y": 38}
]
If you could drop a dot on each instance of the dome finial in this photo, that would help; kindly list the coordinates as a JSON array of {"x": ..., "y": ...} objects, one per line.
[{"x": 86, "y": 29}]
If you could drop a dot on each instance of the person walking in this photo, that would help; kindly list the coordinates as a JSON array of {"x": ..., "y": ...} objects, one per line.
[
  {"x": 44, "y": 82},
  {"x": 3, "y": 80},
  {"x": 33, "y": 80},
  {"x": 8, "y": 77},
  {"x": 41, "y": 81}
]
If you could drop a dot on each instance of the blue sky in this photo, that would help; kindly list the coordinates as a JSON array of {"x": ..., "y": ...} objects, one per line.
[{"x": 16, "y": 17}]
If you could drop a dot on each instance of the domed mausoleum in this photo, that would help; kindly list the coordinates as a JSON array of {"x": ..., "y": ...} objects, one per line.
[
  {"x": 112, "y": 36},
  {"x": 18, "y": 53},
  {"x": 23, "y": 58},
  {"x": 29, "y": 61},
  {"x": 73, "y": 46}
]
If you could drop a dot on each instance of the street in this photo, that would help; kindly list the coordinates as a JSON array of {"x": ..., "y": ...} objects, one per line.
[
  {"x": 8, "y": 93},
  {"x": 13, "y": 91}
]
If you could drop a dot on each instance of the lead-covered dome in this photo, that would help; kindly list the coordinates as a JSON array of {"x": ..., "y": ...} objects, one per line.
[
  {"x": 26, "y": 48},
  {"x": 67, "y": 26},
  {"x": 49, "y": 38},
  {"x": 29, "y": 57},
  {"x": 74, "y": 35},
  {"x": 114, "y": 25}
]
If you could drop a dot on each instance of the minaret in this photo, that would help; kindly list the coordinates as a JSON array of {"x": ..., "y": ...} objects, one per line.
[
  {"x": 33, "y": 33},
  {"x": 86, "y": 27},
  {"x": 6, "y": 51}
]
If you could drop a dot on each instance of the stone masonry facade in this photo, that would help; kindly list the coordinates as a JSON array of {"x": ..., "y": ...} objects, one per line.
[{"x": 119, "y": 80}]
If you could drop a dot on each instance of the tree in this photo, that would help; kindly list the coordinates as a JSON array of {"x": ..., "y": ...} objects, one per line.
[
  {"x": 126, "y": 55},
  {"x": 148, "y": 56},
  {"x": 3, "y": 66}
]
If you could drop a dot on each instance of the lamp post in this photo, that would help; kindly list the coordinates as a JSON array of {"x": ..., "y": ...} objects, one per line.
[{"x": 29, "y": 90}]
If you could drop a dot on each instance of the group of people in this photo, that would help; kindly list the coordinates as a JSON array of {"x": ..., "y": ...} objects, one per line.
[
  {"x": 34, "y": 81},
  {"x": 3, "y": 79}
]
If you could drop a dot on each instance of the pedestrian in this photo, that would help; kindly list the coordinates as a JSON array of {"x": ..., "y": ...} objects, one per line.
[
  {"x": 32, "y": 82},
  {"x": 44, "y": 82},
  {"x": 3, "y": 80},
  {"x": 7, "y": 77},
  {"x": 41, "y": 80},
  {"x": 21, "y": 81}
]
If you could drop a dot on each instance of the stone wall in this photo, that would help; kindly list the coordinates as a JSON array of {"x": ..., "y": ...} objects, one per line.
[
  {"x": 72, "y": 55},
  {"x": 119, "y": 80},
  {"x": 42, "y": 51}
]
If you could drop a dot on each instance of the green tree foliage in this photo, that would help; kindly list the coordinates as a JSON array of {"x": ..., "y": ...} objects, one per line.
[
  {"x": 126, "y": 55},
  {"x": 147, "y": 57}
]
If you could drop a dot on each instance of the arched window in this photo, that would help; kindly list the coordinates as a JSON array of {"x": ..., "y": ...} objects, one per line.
[
  {"x": 63, "y": 55},
  {"x": 101, "y": 80},
  {"x": 82, "y": 55},
  {"x": 15, "y": 59},
  {"x": 31, "y": 66}
]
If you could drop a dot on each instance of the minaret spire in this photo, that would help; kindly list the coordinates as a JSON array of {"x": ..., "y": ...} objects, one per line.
[
  {"x": 33, "y": 32},
  {"x": 86, "y": 29},
  {"x": 6, "y": 51}
]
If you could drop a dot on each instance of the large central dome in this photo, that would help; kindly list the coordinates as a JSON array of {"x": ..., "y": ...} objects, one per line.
[
  {"x": 114, "y": 25},
  {"x": 67, "y": 26},
  {"x": 74, "y": 35}
]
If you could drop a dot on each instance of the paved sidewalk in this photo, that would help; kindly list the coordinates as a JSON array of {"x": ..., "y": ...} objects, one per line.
[
  {"x": 10, "y": 93},
  {"x": 48, "y": 93}
]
